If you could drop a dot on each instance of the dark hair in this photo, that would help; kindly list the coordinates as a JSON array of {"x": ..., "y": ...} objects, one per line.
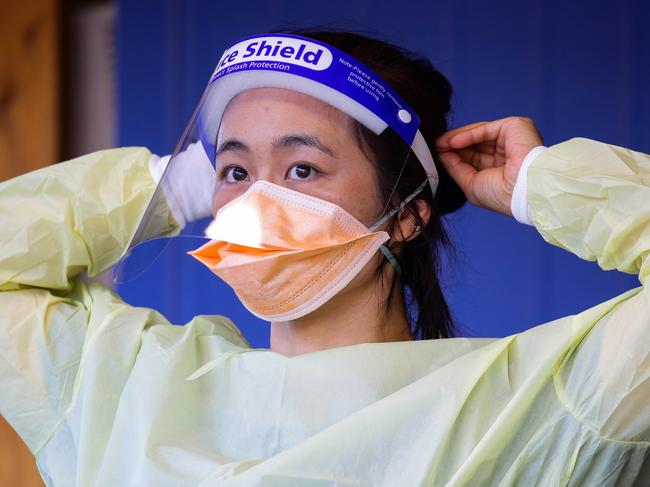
[{"x": 428, "y": 92}]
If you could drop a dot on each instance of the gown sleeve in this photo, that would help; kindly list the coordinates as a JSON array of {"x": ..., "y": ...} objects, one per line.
[
  {"x": 56, "y": 222},
  {"x": 593, "y": 199}
]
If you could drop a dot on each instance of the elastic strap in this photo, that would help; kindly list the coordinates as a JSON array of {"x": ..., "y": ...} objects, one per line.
[
  {"x": 391, "y": 258},
  {"x": 385, "y": 250},
  {"x": 392, "y": 212}
]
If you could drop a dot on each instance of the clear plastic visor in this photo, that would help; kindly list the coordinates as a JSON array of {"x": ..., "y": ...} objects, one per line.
[{"x": 272, "y": 134}]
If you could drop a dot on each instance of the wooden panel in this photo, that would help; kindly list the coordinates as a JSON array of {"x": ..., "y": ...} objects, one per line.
[
  {"x": 29, "y": 85},
  {"x": 29, "y": 139},
  {"x": 17, "y": 466}
]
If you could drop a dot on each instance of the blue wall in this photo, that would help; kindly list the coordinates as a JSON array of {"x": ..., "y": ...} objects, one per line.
[{"x": 577, "y": 68}]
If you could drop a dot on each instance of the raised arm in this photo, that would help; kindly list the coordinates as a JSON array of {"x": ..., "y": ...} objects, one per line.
[
  {"x": 74, "y": 216},
  {"x": 590, "y": 198},
  {"x": 54, "y": 223},
  {"x": 593, "y": 199}
]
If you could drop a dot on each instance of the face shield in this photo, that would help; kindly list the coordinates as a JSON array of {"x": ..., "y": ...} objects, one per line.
[{"x": 286, "y": 113}]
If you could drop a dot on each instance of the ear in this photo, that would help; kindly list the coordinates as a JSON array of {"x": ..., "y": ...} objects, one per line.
[{"x": 412, "y": 220}]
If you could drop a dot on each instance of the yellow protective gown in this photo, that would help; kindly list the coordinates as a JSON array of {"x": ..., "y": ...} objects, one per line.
[{"x": 111, "y": 395}]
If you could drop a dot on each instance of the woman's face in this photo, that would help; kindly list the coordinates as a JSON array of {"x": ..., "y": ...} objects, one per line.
[{"x": 295, "y": 141}]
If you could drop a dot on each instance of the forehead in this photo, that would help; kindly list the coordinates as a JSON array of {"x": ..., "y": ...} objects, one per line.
[{"x": 281, "y": 109}]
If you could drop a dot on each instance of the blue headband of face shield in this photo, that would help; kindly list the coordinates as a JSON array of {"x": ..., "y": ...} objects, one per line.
[
  {"x": 318, "y": 70},
  {"x": 322, "y": 72}
]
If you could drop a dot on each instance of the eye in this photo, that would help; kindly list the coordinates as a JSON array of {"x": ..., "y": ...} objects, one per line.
[
  {"x": 234, "y": 174},
  {"x": 302, "y": 172}
]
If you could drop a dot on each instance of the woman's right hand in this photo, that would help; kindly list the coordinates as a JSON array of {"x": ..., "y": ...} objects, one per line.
[{"x": 484, "y": 158}]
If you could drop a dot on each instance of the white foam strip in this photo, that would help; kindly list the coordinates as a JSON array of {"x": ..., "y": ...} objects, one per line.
[
  {"x": 222, "y": 91},
  {"x": 225, "y": 89},
  {"x": 421, "y": 150}
]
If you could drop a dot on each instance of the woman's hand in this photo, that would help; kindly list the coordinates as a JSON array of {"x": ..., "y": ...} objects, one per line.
[{"x": 484, "y": 158}]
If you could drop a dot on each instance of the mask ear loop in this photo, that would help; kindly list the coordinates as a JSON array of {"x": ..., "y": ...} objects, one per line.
[
  {"x": 385, "y": 250},
  {"x": 391, "y": 258}
]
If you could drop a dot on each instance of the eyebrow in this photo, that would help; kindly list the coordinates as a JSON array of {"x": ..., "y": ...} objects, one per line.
[
  {"x": 286, "y": 141},
  {"x": 294, "y": 140},
  {"x": 231, "y": 145}
]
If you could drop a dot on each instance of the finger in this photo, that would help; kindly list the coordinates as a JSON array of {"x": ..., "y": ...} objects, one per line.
[
  {"x": 443, "y": 141},
  {"x": 480, "y": 156},
  {"x": 460, "y": 171},
  {"x": 483, "y": 133},
  {"x": 480, "y": 159}
]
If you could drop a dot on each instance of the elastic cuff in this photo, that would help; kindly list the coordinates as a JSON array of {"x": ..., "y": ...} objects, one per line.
[{"x": 519, "y": 203}]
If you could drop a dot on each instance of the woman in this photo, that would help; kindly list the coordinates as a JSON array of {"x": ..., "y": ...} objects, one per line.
[{"x": 107, "y": 394}]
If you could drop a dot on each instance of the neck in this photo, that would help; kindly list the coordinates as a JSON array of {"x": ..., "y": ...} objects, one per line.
[{"x": 353, "y": 316}]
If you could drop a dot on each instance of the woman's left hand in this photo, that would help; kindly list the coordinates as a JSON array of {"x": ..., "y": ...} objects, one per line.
[{"x": 484, "y": 158}]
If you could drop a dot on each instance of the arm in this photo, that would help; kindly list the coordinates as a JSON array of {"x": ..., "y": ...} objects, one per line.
[
  {"x": 55, "y": 223},
  {"x": 74, "y": 216},
  {"x": 587, "y": 197},
  {"x": 593, "y": 199}
]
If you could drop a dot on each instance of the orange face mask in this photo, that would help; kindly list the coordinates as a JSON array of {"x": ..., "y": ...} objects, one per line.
[{"x": 286, "y": 253}]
